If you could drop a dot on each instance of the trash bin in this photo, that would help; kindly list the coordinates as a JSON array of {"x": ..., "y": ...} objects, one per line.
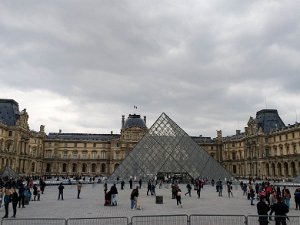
[{"x": 159, "y": 199}]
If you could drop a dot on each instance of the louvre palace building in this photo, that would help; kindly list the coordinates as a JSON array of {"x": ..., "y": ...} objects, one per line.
[{"x": 267, "y": 148}]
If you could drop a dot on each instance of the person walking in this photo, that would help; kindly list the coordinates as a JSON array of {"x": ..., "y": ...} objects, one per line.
[
  {"x": 7, "y": 200},
  {"x": 122, "y": 184},
  {"x": 272, "y": 201},
  {"x": 61, "y": 191},
  {"x": 140, "y": 183},
  {"x": 130, "y": 183},
  {"x": 149, "y": 187},
  {"x": 14, "y": 201},
  {"x": 79, "y": 186},
  {"x": 229, "y": 189},
  {"x": 178, "y": 197},
  {"x": 262, "y": 211},
  {"x": 252, "y": 195},
  {"x": 280, "y": 210},
  {"x": 189, "y": 188}
]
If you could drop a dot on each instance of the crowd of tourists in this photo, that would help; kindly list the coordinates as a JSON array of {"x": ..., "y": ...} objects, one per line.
[
  {"x": 272, "y": 199},
  {"x": 19, "y": 192}
]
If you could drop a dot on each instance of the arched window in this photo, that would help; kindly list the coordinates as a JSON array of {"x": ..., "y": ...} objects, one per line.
[
  {"x": 33, "y": 167},
  {"x": 74, "y": 168},
  {"x": 64, "y": 168},
  {"x": 116, "y": 166},
  {"x": 83, "y": 168},
  {"x": 48, "y": 168},
  {"x": 93, "y": 168},
  {"x": 234, "y": 168},
  {"x": 103, "y": 168}
]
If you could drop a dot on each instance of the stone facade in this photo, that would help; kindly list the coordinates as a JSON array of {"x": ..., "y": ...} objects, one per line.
[{"x": 264, "y": 149}]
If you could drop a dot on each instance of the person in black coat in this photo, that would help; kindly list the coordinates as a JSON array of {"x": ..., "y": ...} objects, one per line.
[
  {"x": 262, "y": 211},
  {"x": 297, "y": 198},
  {"x": 22, "y": 195},
  {"x": 280, "y": 210},
  {"x": 14, "y": 201},
  {"x": 61, "y": 191}
]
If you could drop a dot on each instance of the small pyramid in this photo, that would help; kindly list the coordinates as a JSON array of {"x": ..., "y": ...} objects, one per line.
[
  {"x": 297, "y": 179},
  {"x": 167, "y": 149},
  {"x": 8, "y": 173}
]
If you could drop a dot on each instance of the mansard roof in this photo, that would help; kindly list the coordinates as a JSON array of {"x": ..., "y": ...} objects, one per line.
[
  {"x": 9, "y": 112},
  {"x": 269, "y": 120},
  {"x": 82, "y": 136}
]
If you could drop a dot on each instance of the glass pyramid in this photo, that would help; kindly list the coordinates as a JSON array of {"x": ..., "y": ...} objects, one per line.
[{"x": 167, "y": 151}]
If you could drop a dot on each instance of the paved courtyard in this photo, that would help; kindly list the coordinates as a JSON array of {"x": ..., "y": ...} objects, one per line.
[{"x": 91, "y": 203}]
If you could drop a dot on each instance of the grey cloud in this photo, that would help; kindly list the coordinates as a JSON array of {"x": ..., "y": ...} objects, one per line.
[{"x": 208, "y": 64}]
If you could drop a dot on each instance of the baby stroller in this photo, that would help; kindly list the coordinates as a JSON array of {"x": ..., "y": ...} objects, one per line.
[
  {"x": 114, "y": 199},
  {"x": 107, "y": 199}
]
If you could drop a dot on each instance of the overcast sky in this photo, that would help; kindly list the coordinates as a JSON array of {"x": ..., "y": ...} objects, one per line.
[{"x": 209, "y": 65}]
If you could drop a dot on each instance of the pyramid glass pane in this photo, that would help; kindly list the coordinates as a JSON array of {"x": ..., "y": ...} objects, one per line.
[{"x": 166, "y": 150}]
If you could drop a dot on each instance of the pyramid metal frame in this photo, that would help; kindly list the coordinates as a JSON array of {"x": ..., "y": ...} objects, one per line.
[
  {"x": 7, "y": 172},
  {"x": 166, "y": 148}
]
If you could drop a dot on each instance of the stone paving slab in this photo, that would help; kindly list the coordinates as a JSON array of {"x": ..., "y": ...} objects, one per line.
[{"x": 91, "y": 203}]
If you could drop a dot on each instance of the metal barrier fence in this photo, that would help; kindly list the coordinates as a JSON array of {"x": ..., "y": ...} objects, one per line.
[
  {"x": 33, "y": 221},
  {"x": 99, "y": 221},
  {"x": 217, "y": 220},
  {"x": 160, "y": 220},
  {"x": 290, "y": 220},
  {"x": 181, "y": 219}
]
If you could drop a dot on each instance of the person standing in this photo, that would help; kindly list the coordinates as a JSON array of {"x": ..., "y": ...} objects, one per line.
[
  {"x": 79, "y": 186},
  {"x": 7, "y": 199},
  {"x": 22, "y": 195},
  {"x": 35, "y": 191},
  {"x": 297, "y": 198},
  {"x": 287, "y": 197},
  {"x": 140, "y": 183},
  {"x": 14, "y": 201},
  {"x": 262, "y": 211},
  {"x": 220, "y": 188},
  {"x": 280, "y": 210},
  {"x": 122, "y": 184},
  {"x": 61, "y": 191},
  {"x": 114, "y": 192},
  {"x": 130, "y": 183},
  {"x": 42, "y": 185},
  {"x": 134, "y": 198}
]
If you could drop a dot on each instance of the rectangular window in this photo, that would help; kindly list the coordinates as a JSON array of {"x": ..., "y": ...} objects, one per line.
[{"x": 48, "y": 154}]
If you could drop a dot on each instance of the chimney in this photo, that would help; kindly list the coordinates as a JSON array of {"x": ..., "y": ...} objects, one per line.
[
  {"x": 60, "y": 131},
  {"x": 111, "y": 132},
  {"x": 123, "y": 121},
  {"x": 145, "y": 119},
  {"x": 238, "y": 132}
]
